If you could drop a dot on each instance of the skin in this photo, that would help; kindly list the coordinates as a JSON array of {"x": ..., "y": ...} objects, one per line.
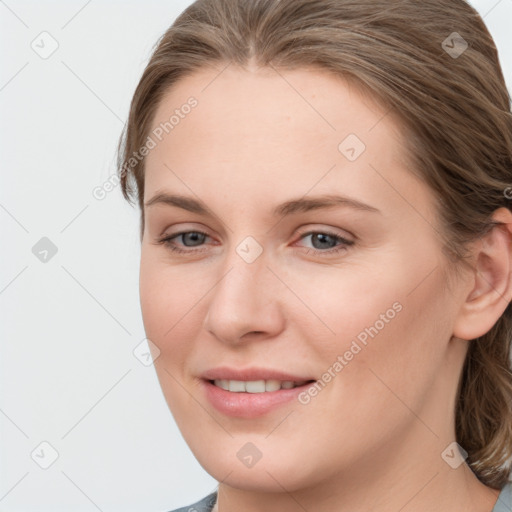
[{"x": 372, "y": 439}]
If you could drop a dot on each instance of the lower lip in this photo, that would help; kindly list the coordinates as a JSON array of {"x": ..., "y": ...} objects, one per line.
[{"x": 249, "y": 405}]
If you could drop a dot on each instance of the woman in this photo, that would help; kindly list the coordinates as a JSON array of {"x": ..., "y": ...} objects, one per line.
[{"x": 326, "y": 251}]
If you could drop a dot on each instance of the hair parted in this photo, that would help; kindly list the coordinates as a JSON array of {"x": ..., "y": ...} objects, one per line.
[{"x": 454, "y": 110}]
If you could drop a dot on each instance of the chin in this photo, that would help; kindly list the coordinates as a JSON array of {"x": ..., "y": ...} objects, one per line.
[{"x": 230, "y": 463}]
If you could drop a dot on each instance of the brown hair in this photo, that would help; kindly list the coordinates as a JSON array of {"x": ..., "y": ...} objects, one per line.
[{"x": 452, "y": 102}]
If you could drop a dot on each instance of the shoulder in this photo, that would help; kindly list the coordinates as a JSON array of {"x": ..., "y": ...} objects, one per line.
[
  {"x": 504, "y": 503},
  {"x": 205, "y": 505}
]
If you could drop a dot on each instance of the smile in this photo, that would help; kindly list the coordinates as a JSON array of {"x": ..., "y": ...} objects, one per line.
[{"x": 256, "y": 386}]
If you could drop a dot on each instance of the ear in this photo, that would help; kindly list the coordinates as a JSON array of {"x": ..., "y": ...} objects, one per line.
[{"x": 491, "y": 283}]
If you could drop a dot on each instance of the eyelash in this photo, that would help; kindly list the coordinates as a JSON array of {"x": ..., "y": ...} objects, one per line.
[{"x": 168, "y": 241}]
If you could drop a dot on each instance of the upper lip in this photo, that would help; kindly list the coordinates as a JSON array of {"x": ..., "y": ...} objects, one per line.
[{"x": 251, "y": 374}]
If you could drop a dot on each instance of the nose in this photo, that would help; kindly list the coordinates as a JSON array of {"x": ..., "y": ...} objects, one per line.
[{"x": 244, "y": 305}]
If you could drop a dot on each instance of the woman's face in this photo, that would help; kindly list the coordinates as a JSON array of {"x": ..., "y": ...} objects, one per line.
[{"x": 311, "y": 254}]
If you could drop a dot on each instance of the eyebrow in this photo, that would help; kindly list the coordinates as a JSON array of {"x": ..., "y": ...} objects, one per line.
[{"x": 288, "y": 208}]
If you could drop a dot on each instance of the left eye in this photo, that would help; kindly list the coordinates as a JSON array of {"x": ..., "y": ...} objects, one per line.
[{"x": 324, "y": 242}]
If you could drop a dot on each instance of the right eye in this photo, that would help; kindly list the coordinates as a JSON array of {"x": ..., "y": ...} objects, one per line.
[{"x": 194, "y": 238}]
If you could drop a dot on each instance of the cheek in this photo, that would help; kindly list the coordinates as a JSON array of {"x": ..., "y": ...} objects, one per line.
[
  {"x": 380, "y": 322},
  {"x": 169, "y": 299},
  {"x": 343, "y": 305},
  {"x": 170, "y": 302},
  {"x": 396, "y": 343},
  {"x": 371, "y": 367}
]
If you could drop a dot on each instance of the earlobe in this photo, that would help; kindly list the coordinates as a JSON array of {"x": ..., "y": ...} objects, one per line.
[{"x": 491, "y": 281}]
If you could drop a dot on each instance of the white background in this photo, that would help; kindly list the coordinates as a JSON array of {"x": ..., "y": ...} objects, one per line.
[{"x": 69, "y": 326}]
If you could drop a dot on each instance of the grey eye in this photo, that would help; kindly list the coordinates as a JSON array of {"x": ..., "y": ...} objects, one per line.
[{"x": 194, "y": 237}]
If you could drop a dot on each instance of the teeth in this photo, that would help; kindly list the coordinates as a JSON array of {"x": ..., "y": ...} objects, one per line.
[
  {"x": 224, "y": 384},
  {"x": 237, "y": 386},
  {"x": 255, "y": 386},
  {"x": 272, "y": 385}
]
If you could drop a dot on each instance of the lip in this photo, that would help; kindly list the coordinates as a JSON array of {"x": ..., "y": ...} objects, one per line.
[
  {"x": 249, "y": 405},
  {"x": 227, "y": 373}
]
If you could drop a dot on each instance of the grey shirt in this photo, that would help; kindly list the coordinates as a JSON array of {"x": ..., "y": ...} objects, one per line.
[
  {"x": 504, "y": 503},
  {"x": 205, "y": 505}
]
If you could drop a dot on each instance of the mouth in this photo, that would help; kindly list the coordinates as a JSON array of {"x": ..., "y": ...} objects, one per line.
[
  {"x": 257, "y": 386},
  {"x": 251, "y": 393}
]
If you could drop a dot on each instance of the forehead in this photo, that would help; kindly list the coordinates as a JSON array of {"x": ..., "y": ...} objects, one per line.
[
  {"x": 269, "y": 128},
  {"x": 312, "y": 101}
]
